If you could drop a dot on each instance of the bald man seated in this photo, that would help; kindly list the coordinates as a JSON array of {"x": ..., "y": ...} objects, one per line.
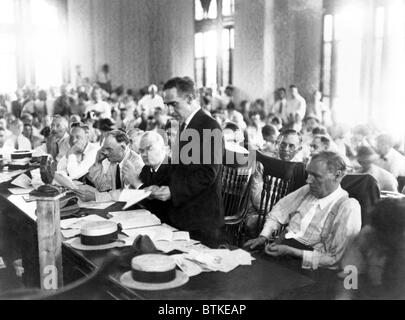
[{"x": 155, "y": 173}]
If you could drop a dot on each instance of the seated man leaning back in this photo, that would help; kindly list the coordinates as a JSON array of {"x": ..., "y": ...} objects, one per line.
[
  {"x": 322, "y": 219},
  {"x": 116, "y": 168}
]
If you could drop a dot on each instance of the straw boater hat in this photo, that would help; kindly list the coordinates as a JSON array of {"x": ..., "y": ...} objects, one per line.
[
  {"x": 153, "y": 272},
  {"x": 98, "y": 235},
  {"x": 20, "y": 160}
]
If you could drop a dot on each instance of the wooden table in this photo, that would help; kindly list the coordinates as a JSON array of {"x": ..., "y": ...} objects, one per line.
[{"x": 266, "y": 278}]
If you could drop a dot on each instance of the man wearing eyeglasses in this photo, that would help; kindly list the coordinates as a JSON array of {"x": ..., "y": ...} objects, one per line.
[
  {"x": 193, "y": 193},
  {"x": 289, "y": 145}
]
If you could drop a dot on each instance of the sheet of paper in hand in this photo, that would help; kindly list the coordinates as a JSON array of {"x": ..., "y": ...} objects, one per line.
[
  {"x": 63, "y": 180},
  {"x": 132, "y": 196}
]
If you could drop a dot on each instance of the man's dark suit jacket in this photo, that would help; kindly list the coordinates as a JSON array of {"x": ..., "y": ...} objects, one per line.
[
  {"x": 195, "y": 187},
  {"x": 159, "y": 178}
]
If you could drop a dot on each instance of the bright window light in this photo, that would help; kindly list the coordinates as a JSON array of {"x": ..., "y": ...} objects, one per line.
[{"x": 7, "y": 12}]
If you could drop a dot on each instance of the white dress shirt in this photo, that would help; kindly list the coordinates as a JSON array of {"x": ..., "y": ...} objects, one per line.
[
  {"x": 309, "y": 222},
  {"x": 393, "y": 162},
  {"x": 76, "y": 167},
  {"x": 23, "y": 143},
  {"x": 295, "y": 106}
]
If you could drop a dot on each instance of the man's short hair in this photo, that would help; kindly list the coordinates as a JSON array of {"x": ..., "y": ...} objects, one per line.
[
  {"x": 63, "y": 120},
  {"x": 365, "y": 151},
  {"x": 282, "y": 90},
  {"x": 290, "y": 132},
  {"x": 319, "y": 131},
  {"x": 334, "y": 161},
  {"x": 231, "y": 126},
  {"x": 80, "y": 125},
  {"x": 184, "y": 86},
  {"x": 269, "y": 130},
  {"x": 155, "y": 136},
  {"x": 120, "y": 136},
  {"x": 386, "y": 139},
  {"x": 325, "y": 140},
  {"x": 293, "y": 86}
]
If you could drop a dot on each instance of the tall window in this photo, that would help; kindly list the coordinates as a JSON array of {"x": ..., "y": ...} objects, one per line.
[
  {"x": 8, "y": 46},
  {"x": 214, "y": 42},
  {"x": 32, "y": 43},
  {"x": 363, "y": 64}
]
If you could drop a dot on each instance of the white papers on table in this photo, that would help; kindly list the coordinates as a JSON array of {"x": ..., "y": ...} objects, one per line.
[
  {"x": 7, "y": 176},
  {"x": 22, "y": 181},
  {"x": 190, "y": 268},
  {"x": 148, "y": 231},
  {"x": 94, "y": 205},
  {"x": 223, "y": 260},
  {"x": 207, "y": 260},
  {"x": 20, "y": 191},
  {"x": 135, "y": 219},
  {"x": 77, "y": 223},
  {"x": 132, "y": 196},
  {"x": 28, "y": 208},
  {"x": 183, "y": 246}
]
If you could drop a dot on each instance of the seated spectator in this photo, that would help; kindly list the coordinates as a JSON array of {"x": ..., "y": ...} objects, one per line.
[
  {"x": 65, "y": 103},
  {"x": 28, "y": 132},
  {"x": 378, "y": 254},
  {"x": 57, "y": 143},
  {"x": 150, "y": 101},
  {"x": 390, "y": 159},
  {"x": 320, "y": 143},
  {"x": 322, "y": 220},
  {"x": 116, "y": 167},
  {"x": 81, "y": 155},
  {"x": 2, "y": 139},
  {"x": 17, "y": 141},
  {"x": 270, "y": 135},
  {"x": 361, "y": 135},
  {"x": 234, "y": 139},
  {"x": 366, "y": 157},
  {"x": 232, "y": 115},
  {"x": 104, "y": 127},
  {"x": 101, "y": 108},
  {"x": 135, "y": 136},
  {"x": 254, "y": 131},
  {"x": 289, "y": 147}
]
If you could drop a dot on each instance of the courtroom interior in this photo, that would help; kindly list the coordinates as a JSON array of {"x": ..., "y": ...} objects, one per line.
[{"x": 194, "y": 149}]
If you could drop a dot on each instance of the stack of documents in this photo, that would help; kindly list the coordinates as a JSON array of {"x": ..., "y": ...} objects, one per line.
[
  {"x": 206, "y": 260},
  {"x": 135, "y": 219}
]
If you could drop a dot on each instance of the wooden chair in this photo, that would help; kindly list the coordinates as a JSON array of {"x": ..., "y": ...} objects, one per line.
[
  {"x": 279, "y": 179},
  {"x": 364, "y": 188},
  {"x": 236, "y": 178}
]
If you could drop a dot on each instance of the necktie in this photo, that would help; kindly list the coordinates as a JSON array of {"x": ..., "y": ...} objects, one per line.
[
  {"x": 16, "y": 146},
  {"x": 182, "y": 127},
  {"x": 118, "y": 184}
]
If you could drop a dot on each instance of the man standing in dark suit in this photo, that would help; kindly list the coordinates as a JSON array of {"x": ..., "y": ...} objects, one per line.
[{"x": 194, "y": 188}]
